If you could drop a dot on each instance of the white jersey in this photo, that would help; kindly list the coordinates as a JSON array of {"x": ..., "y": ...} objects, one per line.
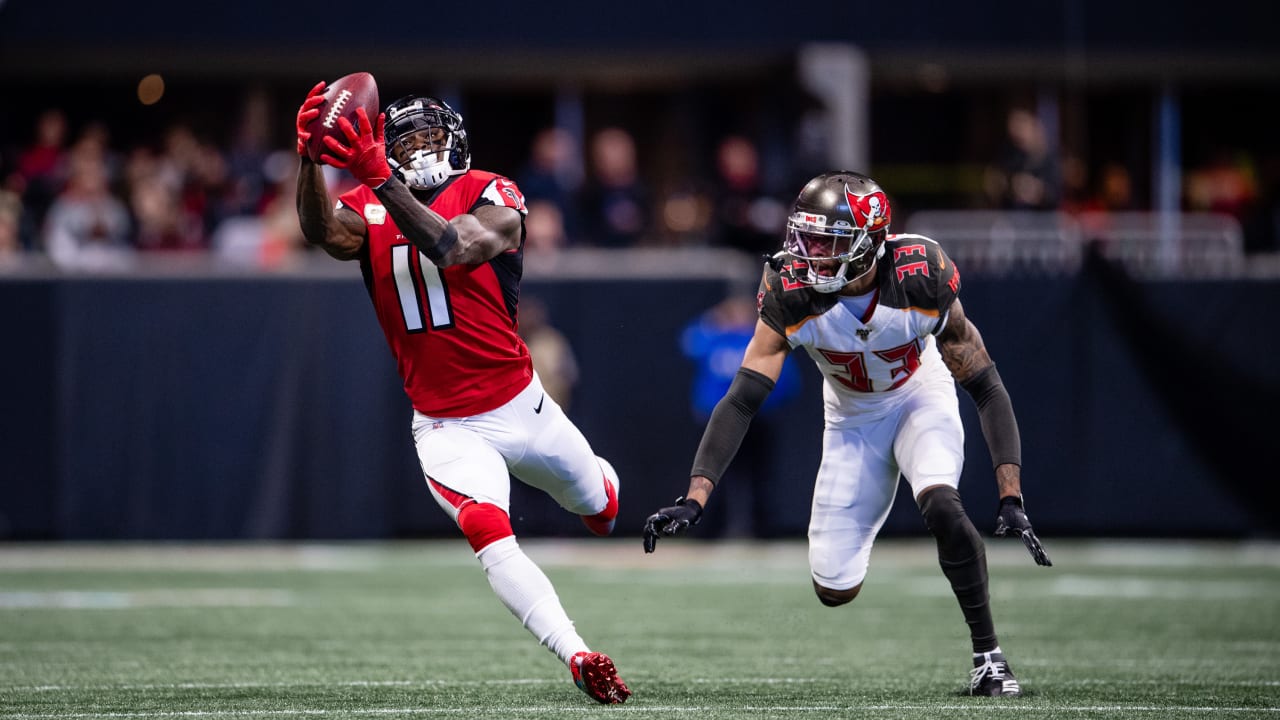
[{"x": 871, "y": 360}]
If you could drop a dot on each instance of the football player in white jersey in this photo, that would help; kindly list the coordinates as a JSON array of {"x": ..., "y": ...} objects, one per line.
[{"x": 879, "y": 315}]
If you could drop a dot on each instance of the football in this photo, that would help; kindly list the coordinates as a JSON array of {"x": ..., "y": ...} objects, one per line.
[{"x": 342, "y": 98}]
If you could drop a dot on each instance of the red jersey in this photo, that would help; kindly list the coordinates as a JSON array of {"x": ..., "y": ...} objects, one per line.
[{"x": 452, "y": 330}]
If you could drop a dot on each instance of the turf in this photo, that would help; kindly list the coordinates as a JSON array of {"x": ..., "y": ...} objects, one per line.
[{"x": 699, "y": 630}]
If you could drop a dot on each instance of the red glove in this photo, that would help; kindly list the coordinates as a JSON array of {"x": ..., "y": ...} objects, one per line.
[
  {"x": 365, "y": 154},
  {"x": 309, "y": 111}
]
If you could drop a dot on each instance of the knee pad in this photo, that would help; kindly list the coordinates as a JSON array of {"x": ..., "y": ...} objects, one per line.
[
  {"x": 958, "y": 540},
  {"x": 483, "y": 524}
]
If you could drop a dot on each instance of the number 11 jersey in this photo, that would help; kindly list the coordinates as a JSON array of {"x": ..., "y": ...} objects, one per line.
[{"x": 452, "y": 330}]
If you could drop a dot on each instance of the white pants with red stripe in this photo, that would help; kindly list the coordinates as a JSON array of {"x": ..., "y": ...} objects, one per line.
[{"x": 529, "y": 437}]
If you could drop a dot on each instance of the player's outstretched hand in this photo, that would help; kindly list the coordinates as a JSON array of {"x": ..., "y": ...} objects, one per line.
[
  {"x": 364, "y": 154},
  {"x": 670, "y": 521},
  {"x": 309, "y": 111},
  {"x": 1012, "y": 520}
]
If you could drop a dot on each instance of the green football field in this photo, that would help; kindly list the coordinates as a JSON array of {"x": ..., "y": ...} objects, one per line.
[{"x": 1150, "y": 630}]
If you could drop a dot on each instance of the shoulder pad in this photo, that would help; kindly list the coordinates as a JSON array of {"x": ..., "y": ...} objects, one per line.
[
  {"x": 784, "y": 302},
  {"x": 915, "y": 273}
]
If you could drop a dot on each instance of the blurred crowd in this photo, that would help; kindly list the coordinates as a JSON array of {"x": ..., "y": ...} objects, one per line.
[
  {"x": 71, "y": 195},
  {"x": 86, "y": 204}
]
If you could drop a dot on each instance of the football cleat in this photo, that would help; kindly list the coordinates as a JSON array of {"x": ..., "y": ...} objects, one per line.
[
  {"x": 596, "y": 676},
  {"x": 991, "y": 676},
  {"x": 602, "y": 522}
]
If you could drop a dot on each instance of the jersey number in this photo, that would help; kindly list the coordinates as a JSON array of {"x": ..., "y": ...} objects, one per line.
[
  {"x": 903, "y": 360},
  {"x": 411, "y": 281}
]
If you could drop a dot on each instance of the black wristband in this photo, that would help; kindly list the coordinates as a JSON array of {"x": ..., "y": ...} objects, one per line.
[
  {"x": 995, "y": 411},
  {"x": 447, "y": 240},
  {"x": 729, "y": 423}
]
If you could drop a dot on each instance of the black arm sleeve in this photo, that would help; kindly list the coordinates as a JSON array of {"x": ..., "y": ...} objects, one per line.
[
  {"x": 995, "y": 411},
  {"x": 729, "y": 422}
]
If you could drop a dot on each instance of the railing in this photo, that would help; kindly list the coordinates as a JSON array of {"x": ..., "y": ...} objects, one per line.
[
  {"x": 1054, "y": 243},
  {"x": 1149, "y": 245}
]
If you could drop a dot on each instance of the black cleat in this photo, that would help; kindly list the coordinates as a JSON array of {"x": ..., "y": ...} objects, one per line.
[{"x": 992, "y": 677}]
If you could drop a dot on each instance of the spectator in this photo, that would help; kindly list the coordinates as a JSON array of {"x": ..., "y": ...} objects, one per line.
[
  {"x": 88, "y": 228},
  {"x": 553, "y": 357},
  {"x": 1226, "y": 183},
  {"x": 10, "y": 229},
  {"x": 1027, "y": 176},
  {"x": 716, "y": 340},
  {"x": 551, "y": 177},
  {"x": 544, "y": 228},
  {"x": 272, "y": 238},
  {"x": 41, "y": 171},
  {"x": 748, "y": 218},
  {"x": 616, "y": 203}
]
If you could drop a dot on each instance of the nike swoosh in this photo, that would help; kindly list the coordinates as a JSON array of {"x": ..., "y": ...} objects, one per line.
[{"x": 538, "y": 410}]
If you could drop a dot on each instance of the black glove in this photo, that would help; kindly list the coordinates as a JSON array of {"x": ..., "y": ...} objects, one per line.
[
  {"x": 1012, "y": 519},
  {"x": 671, "y": 521}
]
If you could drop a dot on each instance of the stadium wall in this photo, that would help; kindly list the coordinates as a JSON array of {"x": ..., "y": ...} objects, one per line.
[{"x": 268, "y": 407}]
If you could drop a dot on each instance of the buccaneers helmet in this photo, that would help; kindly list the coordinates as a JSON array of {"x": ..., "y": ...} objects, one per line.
[
  {"x": 837, "y": 227},
  {"x": 426, "y": 142}
]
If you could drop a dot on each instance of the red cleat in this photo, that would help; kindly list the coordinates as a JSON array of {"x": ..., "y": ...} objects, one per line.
[
  {"x": 602, "y": 522},
  {"x": 595, "y": 674}
]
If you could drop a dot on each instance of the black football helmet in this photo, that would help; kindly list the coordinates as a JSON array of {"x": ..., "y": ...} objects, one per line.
[
  {"x": 426, "y": 142},
  {"x": 838, "y": 225}
]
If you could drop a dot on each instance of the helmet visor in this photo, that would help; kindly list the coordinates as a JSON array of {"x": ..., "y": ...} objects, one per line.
[{"x": 827, "y": 244}]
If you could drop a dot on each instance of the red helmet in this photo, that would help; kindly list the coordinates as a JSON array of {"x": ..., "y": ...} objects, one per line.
[{"x": 837, "y": 227}]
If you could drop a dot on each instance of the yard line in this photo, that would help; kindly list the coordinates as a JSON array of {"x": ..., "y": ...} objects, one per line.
[
  {"x": 516, "y": 711},
  {"x": 125, "y": 600},
  {"x": 276, "y": 685},
  {"x": 551, "y": 681}
]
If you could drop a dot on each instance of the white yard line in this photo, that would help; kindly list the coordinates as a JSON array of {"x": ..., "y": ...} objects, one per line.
[
  {"x": 551, "y": 681},
  {"x": 124, "y": 600},
  {"x": 641, "y": 709}
]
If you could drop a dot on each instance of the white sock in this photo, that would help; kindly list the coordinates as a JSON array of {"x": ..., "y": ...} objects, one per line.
[{"x": 528, "y": 594}]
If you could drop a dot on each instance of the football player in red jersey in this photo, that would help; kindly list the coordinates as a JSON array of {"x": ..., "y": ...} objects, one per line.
[
  {"x": 441, "y": 248},
  {"x": 878, "y": 313}
]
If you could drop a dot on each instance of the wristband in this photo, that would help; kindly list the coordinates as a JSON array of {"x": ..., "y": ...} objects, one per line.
[{"x": 447, "y": 240}]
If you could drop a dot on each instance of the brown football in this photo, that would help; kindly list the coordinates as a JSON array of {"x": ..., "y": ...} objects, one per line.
[{"x": 341, "y": 99}]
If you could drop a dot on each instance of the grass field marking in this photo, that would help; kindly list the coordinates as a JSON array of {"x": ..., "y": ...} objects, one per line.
[
  {"x": 161, "y": 598},
  {"x": 516, "y": 682},
  {"x": 636, "y": 708},
  {"x": 279, "y": 685}
]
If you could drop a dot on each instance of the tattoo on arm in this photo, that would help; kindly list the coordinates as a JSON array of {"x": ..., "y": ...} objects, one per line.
[
  {"x": 467, "y": 239},
  {"x": 425, "y": 228},
  {"x": 700, "y": 489},
  {"x": 1008, "y": 480},
  {"x": 961, "y": 345},
  {"x": 340, "y": 233}
]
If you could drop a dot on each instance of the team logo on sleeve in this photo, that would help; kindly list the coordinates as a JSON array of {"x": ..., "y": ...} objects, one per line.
[
  {"x": 870, "y": 211},
  {"x": 503, "y": 192},
  {"x": 375, "y": 214}
]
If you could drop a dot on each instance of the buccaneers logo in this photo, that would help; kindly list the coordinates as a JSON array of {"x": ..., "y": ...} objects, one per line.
[{"x": 870, "y": 211}]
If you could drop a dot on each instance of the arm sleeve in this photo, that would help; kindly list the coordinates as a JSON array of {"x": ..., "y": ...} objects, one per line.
[
  {"x": 995, "y": 411},
  {"x": 729, "y": 422}
]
